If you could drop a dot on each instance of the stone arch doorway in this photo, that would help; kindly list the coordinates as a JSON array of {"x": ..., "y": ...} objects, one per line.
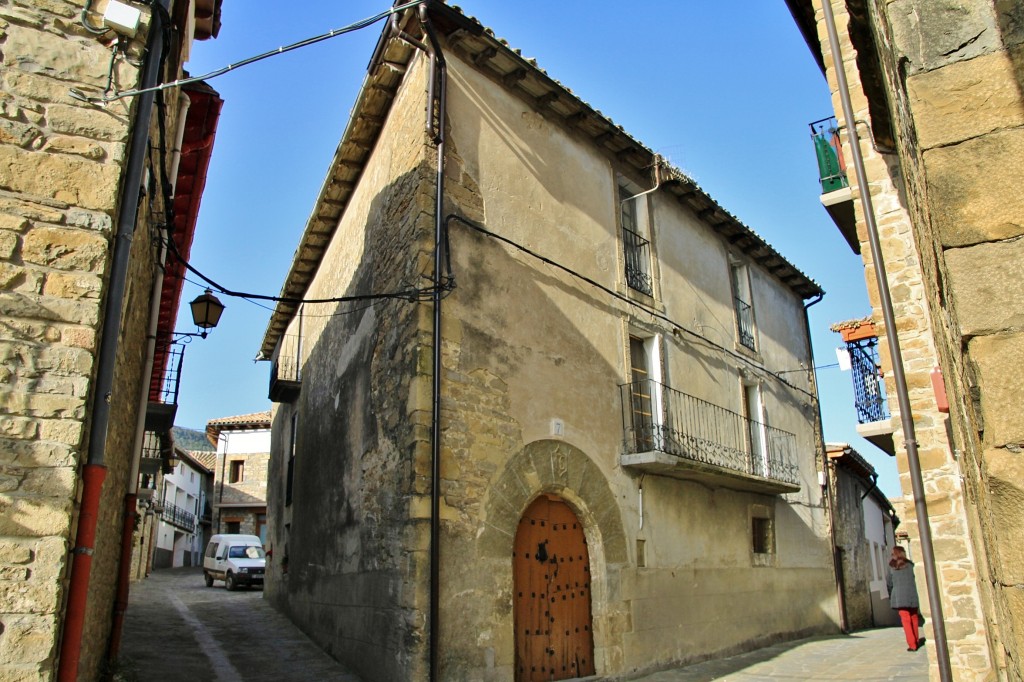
[{"x": 553, "y": 623}]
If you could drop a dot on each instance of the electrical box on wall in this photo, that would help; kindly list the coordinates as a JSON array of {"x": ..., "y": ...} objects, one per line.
[{"x": 122, "y": 18}]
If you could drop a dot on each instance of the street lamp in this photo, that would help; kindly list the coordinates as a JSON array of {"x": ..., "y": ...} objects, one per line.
[{"x": 206, "y": 312}]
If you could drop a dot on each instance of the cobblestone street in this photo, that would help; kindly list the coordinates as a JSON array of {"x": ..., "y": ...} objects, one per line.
[{"x": 178, "y": 629}]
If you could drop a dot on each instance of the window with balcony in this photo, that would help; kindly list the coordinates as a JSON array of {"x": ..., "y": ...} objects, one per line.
[
  {"x": 645, "y": 400},
  {"x": 743, "y": 305},
  {"x": 756, "y": 436},
  {"x": 635, "y": 245}
]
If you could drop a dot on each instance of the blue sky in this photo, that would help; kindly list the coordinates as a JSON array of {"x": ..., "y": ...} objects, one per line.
[{"x": 723, "y": 90}]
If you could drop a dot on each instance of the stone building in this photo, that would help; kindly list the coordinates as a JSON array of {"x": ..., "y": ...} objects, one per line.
[
  {"x": 80, "y": 234},
  {"x": 936, "y": 91},
  {"x": 626, "y": 480},
  {"x": 240, "y": 474},
  {"x": 864, "y": 525}
]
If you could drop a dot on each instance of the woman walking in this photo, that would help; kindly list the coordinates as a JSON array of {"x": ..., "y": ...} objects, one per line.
[{"x": 903, "y": 595}]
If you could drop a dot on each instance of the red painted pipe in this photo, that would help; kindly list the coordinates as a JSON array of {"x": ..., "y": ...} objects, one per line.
[
  {"x": 93, "y": 476},
  {"x": 124, "y": 574}
]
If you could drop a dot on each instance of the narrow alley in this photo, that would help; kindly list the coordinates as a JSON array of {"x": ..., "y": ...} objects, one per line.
[{"x": 178, "y": 629}]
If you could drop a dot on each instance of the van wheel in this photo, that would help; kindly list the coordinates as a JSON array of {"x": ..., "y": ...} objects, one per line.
[
  {"x": 229, "y": 581},
  {"x": 208, "y": 578}
]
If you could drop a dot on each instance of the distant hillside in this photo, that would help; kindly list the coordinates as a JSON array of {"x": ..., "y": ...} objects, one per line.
[{"x": 191, "y": 439}]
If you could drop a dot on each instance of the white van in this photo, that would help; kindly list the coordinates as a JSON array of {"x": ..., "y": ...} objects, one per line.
[{"x": 235, "y": 559}]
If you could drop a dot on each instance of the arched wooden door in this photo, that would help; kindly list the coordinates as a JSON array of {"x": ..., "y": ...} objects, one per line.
[{"x": 551, "y": 582}]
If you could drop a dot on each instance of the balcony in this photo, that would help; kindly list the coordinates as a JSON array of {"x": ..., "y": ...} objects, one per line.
[
  {"x": 163, "y": 389},
  {"x": 152, "y": 456},
  {"x": 285, "y": 373},
  {"x": 178, "y": 517},
  {"x": 874, "y": 422},
  {"x": 836, "y": 195},
  {"x": 670, "y": 433},
  {"x": 638, "y": 257}
]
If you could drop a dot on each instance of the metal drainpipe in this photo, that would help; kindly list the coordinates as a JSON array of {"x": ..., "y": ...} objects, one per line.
[
  {"x": 95, "y": 471},
  {"x": 131, "y": 497},
  {"x": 899, "y": 378}
]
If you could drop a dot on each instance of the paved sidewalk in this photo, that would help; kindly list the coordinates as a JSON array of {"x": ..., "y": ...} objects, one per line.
[
  {"x": 179, "y": 629},
  {"x": 868, "y": 656}
]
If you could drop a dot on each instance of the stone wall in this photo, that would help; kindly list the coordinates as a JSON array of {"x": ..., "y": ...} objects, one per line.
[
  {"x": 354, "y": 537},
  {"x": 951, "y": 89},
  {"x": 61, "y": 164}
]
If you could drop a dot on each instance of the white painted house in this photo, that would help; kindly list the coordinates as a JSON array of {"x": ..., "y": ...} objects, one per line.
[{"x": 182, "y": 500}]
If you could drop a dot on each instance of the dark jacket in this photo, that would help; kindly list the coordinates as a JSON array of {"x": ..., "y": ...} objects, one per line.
[{"x": 902, "y": 588}]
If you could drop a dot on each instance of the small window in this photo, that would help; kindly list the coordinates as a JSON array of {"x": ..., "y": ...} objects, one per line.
[
  {"x": 762, "y": 536},
  {"x": 232, "y": 527},
  {"x": 292, "y": 446},
  {"x": 211, "y": 551},
  {"x": 237, "y": 472}
]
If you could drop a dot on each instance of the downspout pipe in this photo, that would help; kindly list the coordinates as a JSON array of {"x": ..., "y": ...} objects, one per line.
[
  {"x": 94, "y": 471},
  {"x": 899, "y": 378},
  {"x": 131, "y": 497},
  {"x": 438, "y": 89}
]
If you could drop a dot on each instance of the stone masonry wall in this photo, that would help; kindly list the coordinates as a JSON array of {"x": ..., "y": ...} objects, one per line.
[
  {"x": 962, "y": 113},
  {"x": 907, "y": 266},
  {"x": 61, "y": 164}
]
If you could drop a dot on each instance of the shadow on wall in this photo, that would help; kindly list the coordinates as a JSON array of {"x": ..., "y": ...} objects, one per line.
[{"x": 1010, "y": 18}]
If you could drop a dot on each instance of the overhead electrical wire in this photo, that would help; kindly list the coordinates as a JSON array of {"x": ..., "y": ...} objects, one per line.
[
  {"x": 647, "y": 309},
  {"x": 78, "y": 94},
  {"x": 411, "y": 294}
]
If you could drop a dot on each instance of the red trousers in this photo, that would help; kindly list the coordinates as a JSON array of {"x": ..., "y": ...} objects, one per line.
[{"x": 909, "y": 619}]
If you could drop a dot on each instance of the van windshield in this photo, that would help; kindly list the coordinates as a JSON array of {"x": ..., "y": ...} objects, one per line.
[{"x": 246, "y": 552}]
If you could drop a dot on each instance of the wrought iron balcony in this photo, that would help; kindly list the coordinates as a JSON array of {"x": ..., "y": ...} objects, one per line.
[
  {"x": 674, "y": 434},
  {"x": 286, "y": 372},
  {"x": 638, "y": 258},
  {"x": 836, "y": 195},
  {"x": 829, "y": 150},
  {"x": 745, "y": 323},
  {"x": 868, "y": 388},
  {"x": 164, "y": 385},
  {"x": 176, "y": 516},
  {"x": 873, "y": 419}
]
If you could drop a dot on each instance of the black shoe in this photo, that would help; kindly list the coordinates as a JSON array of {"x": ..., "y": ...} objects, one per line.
[
  {"x": 909, "y": 649},
  {"x": 920, "y": 643}
]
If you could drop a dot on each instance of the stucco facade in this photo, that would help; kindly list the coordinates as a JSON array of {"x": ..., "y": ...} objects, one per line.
[
  {"x": 936, "y": 90},
  {"x": 538, "y": 358}
]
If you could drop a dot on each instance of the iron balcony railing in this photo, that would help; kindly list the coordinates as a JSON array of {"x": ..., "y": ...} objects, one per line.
[
  {"x": 638, "y": 257},
  {"x": 868, "y": 388},
  {"x": 659, "y": 418},
  {"x": 286, "y": 370},
  {"x": 829, "y": 150},
  {"x": 176, "y": 516},
  {"x": 170, "y": 381},
  {"x": 744, "y": 323}
]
